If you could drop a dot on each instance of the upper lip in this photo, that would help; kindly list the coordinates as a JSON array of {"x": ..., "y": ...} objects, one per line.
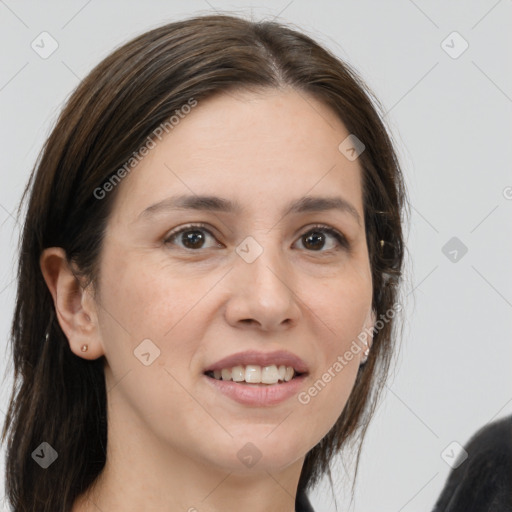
[{"x": 279, "y": 357}]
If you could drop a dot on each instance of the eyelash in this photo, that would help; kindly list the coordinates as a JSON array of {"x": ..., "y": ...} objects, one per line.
[{"x": 342, "y": 241}]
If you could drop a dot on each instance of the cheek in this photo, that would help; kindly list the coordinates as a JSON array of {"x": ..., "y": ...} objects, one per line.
[
  {"x": 339, "y": 306},
  {"x": 154, "y": 310},
  {"x": 145, "y": 301},
  {"x": 339, "y": 309},
  {"x": 327, "y": 391},
  {"x": 145, "y": 312},
  {"x": 323, "y": 401}
]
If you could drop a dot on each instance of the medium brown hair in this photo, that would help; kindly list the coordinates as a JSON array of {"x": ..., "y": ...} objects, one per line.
[{"x": 61, "y": 398}]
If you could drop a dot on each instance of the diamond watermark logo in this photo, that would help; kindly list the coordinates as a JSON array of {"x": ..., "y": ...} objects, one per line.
[
  {"x": 454, "y": 455},
  {"x": 146, "y": 352},
  {"x": 454, "y": 249},
  {"x": 44, "y": 45},
  {"x": 249, "y": 249},
  {"x": 45, "y": 455},
  {"x": 351, "y": 147},
  {"x": 454, "y": 45},
  {"x": 249, "y": 455}
]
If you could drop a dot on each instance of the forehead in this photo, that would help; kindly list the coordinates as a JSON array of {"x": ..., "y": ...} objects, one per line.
[{"x": 261, "y": 150}]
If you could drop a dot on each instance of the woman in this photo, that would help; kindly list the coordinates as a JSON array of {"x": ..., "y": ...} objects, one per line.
[{"x": 208, "y": 279}]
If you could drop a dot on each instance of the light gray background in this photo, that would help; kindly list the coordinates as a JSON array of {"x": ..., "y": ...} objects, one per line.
[{"x": 452, "y": 121}]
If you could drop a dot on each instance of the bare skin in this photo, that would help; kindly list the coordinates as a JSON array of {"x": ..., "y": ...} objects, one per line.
[{"x": 174, "y": 440}]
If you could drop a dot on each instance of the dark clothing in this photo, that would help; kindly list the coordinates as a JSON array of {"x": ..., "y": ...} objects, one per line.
[
  {"x": 483, "y": 482},
  {"x": 302, "y": 503}
]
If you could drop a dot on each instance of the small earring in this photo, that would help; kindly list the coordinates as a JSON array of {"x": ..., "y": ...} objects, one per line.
[
  {"x": 85, "y": 348},
  {"x": 365, "y": 353}
]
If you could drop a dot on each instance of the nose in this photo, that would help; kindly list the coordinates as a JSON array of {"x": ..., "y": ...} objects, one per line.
[{"x": 263, "y": 294}]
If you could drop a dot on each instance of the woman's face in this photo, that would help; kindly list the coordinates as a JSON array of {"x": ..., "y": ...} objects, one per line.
[{"x": 258, "y": 279}]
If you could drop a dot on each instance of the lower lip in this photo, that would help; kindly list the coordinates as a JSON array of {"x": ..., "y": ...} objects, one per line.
[{"x": 258, "y": 395}]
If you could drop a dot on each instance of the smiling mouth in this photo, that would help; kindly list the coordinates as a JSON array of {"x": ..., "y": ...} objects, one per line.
[{"x": 254, "y": 374}]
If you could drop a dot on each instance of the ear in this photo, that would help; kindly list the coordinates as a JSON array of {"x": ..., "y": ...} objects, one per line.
[{"x": 74, "y": 305}]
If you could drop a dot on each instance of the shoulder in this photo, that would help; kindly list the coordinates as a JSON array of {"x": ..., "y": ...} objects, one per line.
[
  {"x": 494, "y": 435},
  {"x": 483, "y": 482}
]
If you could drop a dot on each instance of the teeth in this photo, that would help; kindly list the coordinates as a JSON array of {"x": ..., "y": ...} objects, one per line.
[
  {"x": 238, "y": 373},
  {"x": 270, "y": 374},
  {"x": 255, "y": 374}
]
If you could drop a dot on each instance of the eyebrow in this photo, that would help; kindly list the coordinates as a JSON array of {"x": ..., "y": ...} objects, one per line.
[{"x": 219, "y": 204}]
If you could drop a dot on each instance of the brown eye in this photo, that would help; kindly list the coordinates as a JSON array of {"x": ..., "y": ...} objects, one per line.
[
  {"x": 315, "y": 239},
  {"x": 192, "y": 237}
]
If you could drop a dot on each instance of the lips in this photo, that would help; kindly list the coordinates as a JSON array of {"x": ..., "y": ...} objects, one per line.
[
  {"x": 270, "y": 393},
  {"x": 253, "y": 357}
]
